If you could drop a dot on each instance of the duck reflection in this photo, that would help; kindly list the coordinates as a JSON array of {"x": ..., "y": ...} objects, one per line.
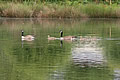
[
  {"x": 87, "y": 53},
  {"x": 61, "y": 44},
  {"x": 26, "y": 42}
]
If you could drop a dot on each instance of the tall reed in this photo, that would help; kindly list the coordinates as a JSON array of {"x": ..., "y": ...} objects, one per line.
[{"x": 57, "y": 10}]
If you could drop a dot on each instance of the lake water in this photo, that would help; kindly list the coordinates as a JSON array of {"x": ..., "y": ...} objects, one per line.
[{"x": 94, "y": 55}]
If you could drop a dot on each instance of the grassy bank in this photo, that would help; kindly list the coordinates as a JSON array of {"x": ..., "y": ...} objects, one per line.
[{"x": 53, "y": 10}]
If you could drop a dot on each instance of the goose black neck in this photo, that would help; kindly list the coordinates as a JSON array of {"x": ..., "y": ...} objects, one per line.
[
  {"x": 61, "y": 34},
  {"x": 22, "y": 33}
]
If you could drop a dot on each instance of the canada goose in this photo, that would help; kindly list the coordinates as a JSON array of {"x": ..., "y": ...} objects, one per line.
[
  {"x": 27, "y": 37},
  {"x": 66, "y": 37},
  {"x": 51, "y": 38}
]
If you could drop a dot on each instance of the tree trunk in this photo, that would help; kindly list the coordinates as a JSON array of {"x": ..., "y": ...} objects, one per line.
[{"x": 110, "y": 2}]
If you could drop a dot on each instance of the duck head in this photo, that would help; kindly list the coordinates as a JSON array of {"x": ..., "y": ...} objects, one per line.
[
  {"x": 22, "y": 32},
  {"x": 61, "y": 32}
]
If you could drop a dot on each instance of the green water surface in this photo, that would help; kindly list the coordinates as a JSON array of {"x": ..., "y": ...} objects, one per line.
[{"x": 43, "y": 59}]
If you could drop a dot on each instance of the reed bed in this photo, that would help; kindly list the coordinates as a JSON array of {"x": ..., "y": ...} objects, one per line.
[{"x": 55, "y": 10}]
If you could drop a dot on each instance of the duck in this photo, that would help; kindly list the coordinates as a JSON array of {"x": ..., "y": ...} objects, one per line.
[
  {"x": 66, "y": 37},
  {"x": 51, "y": 38},
  {"x": 27, "y": 37}
]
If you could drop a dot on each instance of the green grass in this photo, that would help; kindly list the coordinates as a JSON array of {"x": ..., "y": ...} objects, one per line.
[{"x": 58, "y": 10}]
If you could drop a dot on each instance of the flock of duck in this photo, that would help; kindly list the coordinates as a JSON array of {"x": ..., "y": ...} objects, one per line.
[
  {"x": 31, "y": 37},
  {"x": 61, "y": 37},
  {"x": 67, "y": 38}
]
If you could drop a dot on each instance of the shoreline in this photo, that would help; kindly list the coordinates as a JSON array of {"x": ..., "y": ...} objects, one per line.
[{"x": 56, "y": 18}]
